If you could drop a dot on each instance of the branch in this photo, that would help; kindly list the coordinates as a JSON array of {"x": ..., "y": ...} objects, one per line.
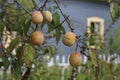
[
  {"x": 67, "y": 20},
  {"x": 74, "y": 73},
  {"x": 42, "y": 7},
  {"x": 109, "y": 27},
  {"x": 22, "y": 7},
  {"x": 64, "y": 20},
  {"x": 35, "y": 4}
]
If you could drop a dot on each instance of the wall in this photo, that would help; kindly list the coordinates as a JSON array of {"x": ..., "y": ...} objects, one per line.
[{"x": 79, "y": 11}]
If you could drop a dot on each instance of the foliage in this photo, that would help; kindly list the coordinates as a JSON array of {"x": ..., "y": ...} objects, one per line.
[
  {"x": 114, "y": 40},
  {"x": 29, "y": 63}
]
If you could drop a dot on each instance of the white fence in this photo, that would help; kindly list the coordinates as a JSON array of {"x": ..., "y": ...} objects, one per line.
[
  {"x": 61, "y": 61},
  {"x": 64, "y": 61}
]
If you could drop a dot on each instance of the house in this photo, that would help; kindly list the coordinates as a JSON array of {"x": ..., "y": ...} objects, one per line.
[{"x": 85, "y": 13}]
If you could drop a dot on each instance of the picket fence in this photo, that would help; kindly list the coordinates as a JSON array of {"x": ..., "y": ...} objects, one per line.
[{"x": 61, "y": 61}]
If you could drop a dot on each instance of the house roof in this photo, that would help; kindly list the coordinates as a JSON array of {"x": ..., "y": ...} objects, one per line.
[{"x": 103, "y": 1}]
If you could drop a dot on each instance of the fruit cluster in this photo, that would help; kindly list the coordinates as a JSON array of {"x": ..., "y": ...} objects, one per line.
[
  {"x": 38, "y": 18},
  {"x": 68, "y": 39}
]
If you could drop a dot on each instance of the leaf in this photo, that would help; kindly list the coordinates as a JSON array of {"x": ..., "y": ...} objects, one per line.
[
  {"x": 1, "y": 64},
  {"x": 18, "y": 61},
  {"x": 28, "y": 54},
  {"x": 1, "y": 27},
  {"x": 52, "y": 50},
  {"x": 5, "y": 63},
  {"x": 55, "y": 8},
  {"x": 93, "y": 55},
  {"x": 61, "y": 28},
  {"x": 19, "y": 52},
  {"x": 92, "y": 77},
  {"x": 56, "y": 19},
  {"x": 50, "y": 28},
  {"x": 58, "y": 36},
  {"x": 106, "y": 65},
  {"x": 27, "y": 25},
  {"x": 115, "y": 11},
  {"x": 12, "y": 45},
  {"x": 21, "y": 25}
]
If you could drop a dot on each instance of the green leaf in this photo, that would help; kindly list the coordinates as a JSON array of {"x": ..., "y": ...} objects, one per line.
[
  {"x": 1, "y": 64},
  {"x": 27, "y": 25},
  {"x": 19, "y": 52},
  {"x": 5, "y": 63},
  {"x": 58, "y": 36},
  {"x": 106, "y": 65},
  {"x": 1, "y": 27},
  {"x": 50, "y": 28},
  {"x": 93, "y": 55},
  {"x": 51, "y": 50},
  {"x": 28, "y": 54},
  {"x": 21, "y": 25},
  {"x": 56, "y": 19},
  {"x": 61, "y": 28},
  {"x": 12, "y": 45},
  {"x": 18, "y": 62},
  {"x": 115, "y": 11},
  {"x": 55, "y": 8}
]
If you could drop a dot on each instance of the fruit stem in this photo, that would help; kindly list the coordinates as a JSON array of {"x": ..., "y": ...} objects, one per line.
[
  {"x": 36, "y": 27},
  {"x": 74, "y": 73}
]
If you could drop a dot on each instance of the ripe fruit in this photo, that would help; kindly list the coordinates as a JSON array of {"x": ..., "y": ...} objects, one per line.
[
  {"x": 37, "y": 17},
  {"x": 47, "y": 16},
  {"x": 75, "y": 59},
  {"x": 37, "y": 38},
  {"x": 69, "y": 38}
]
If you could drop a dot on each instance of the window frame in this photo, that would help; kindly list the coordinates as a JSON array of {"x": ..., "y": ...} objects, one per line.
[{"x": 100, "y": 33}]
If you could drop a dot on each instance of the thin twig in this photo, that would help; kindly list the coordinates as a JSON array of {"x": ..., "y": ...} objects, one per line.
[
  {"x": 109, "y": 27},
  {"x": 35, "y": 4},
  {"x": 22, "y": 7},
  {"x": 36, "y": 27},
  {"x": 42, "y": 7},
  {"x": 67, "y": 20},
  {"x": 74, "y": 73},
  {"x": 59, "y": 25},
  {"x": 64, "y": 20}
]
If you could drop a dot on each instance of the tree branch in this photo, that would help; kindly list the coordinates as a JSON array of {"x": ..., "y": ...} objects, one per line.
[
  {"x": 67, "y": 20},
  {"x": 22, "y": 7},
  {"x": 42, "y": 7},
  {"x": 36, "y": 6},
  {"x": 74, "y": 73}
]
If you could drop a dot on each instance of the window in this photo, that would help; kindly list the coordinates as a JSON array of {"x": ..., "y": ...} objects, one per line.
[{"x": 95, "y": 30}]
